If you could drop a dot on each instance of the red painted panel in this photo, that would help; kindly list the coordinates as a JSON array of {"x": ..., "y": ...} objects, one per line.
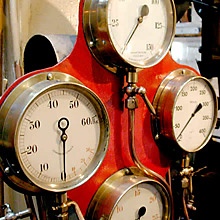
[{"x": 108, "y": 87}]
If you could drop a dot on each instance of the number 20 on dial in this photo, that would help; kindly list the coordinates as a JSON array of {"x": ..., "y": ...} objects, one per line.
[{"x": 61, "y": 134}]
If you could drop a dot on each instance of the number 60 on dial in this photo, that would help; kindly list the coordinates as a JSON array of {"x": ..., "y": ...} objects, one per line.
[{"x": 56, "y": 131}]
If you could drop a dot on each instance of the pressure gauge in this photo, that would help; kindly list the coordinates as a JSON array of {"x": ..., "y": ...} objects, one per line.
[
  {"x": 129, "y": 194},
  {"x": 54, "y": 132},
  {"x": 186, "y": 107},
  {"x": 129, "y": 33}
]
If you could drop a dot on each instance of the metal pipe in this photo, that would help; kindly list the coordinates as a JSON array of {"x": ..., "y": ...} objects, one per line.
[
  {"x": 184, "y": 204},
  {"x": 11, "y": 58},
  {"x": 42, "y": 51},
  {"x": 131, "y": 104},
  {"x": 41, "y": 209},
  {"x": 30, "y": 204},
  {"x": 14, "y": 30},
  {"x": 149, "y": 172},
  {"x": 10, "y": 215}
]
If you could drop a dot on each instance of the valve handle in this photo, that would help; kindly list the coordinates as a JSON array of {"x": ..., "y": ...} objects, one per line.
[{"x": 9, "y": 215}]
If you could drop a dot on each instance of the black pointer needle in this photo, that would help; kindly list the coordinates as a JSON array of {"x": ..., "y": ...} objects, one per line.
[
  {"x": 199, "y": 107},
  {"x": 63, "y": 124},
  {"x": 141, "y": 212},
  {"x": 144, "y": 12}
]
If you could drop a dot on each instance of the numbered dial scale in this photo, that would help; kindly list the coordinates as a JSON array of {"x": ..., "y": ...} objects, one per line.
[
  {"x": 129, "y": 33},
  {"x": 53, "y": 132},
  {"x": 186, "y": 106},
  {"x": 136, "y": 197}
]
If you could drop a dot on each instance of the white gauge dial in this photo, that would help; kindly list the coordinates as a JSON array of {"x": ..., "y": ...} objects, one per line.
[
  {"x": 137, "y": 197},
  {"x": 60, "y": 133},
  {"x": 186, "y": 106},
  {"x": 138, "y": 29},
  {"x": 58, "y": 145},
  {"x": 193, "y": 114},
  {"x": 140, "y": 202},
  {"x": 129, "y": 33}
]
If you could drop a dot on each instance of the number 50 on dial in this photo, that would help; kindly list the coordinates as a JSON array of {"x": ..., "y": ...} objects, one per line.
[
  {"x": 186, "y": 106},
  {"x": 59, "y": 131}
]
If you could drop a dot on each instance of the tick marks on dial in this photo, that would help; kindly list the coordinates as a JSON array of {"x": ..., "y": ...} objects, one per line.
[
  {"x": 61, "y": 153},
  {"x": 198, "y": 108},
  {"x": 49, "y": 97}
]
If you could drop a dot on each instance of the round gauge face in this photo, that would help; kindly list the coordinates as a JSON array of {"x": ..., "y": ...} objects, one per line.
[
  {"x": 137, "y": 197},
  {"x": 194, "y": 114},
  {"x": 141, "y": 202},
  {"x": 60, "y": 139},
  {"x": 141, "y": 31}
]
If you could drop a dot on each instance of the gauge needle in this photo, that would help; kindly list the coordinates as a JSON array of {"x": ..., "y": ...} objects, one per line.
[
  {"x": 144, "y": 12},
  {"x": 63, "y": 124},
  {"x": 141, "y": 212},
  {"x": 198, "y": 108}
]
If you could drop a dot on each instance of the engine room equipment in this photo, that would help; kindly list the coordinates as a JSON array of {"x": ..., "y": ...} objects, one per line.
[
  {"x": 186, "y": 111},
  {"x": 13, "y": 216},
  {"x": 43, "y": 106},
  {"x": 82, "y": 104},
  {"x": 137, "y": 196},
  {"x": 63, "y": 109},
  {"x": 42, "y": 51},
  {"x": 122, "y": 49},
  {"x": 141, "y": 39}
]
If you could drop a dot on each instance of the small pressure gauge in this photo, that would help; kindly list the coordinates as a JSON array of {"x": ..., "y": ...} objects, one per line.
[
  {"x": 129, "y": 33},
  {"x": 186, "y": 109},
  {"x": 54, "y": 133},
  {"x": 130, "y": 194}
]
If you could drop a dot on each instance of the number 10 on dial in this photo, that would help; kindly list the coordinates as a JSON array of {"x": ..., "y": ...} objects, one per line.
[{"x": 61, "y": 134}]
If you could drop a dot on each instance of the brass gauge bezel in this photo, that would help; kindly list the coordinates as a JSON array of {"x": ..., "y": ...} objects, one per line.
[
  {"x": 105, "y": 200},
  {"x": 100, "y": 43},
  {"x": 164, "y": 103},
  {"x": 13, "y": 110}
]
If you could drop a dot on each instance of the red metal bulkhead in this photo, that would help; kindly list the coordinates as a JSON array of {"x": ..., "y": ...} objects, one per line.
[{"x": 108, "y": 86}]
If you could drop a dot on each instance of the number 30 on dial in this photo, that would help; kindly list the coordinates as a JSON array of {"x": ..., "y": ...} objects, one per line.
[{"x": 61, "y": 132}]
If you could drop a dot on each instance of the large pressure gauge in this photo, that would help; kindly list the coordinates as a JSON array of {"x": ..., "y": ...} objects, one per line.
[
  {"x": 129, "y": 194},
  {"x": 54, "y": 131},
  {"x": 186, "y": 107},
  {"x": 123, "y": 33}
]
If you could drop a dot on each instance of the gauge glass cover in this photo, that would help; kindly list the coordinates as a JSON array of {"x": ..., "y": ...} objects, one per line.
[
  {"x": 129, "y": 34},
  {"x": 61, "y": 137},
  {"x": 130, "y": 194},
  {"x": 186, "y": 111},
  {"x": 141, "y": 31},
  {"x": 194, "y": 114},
  {"x": 142, "y": 201}
]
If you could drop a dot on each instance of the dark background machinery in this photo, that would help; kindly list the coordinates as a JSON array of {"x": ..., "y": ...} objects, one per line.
[{"x": 205, "y": 174}]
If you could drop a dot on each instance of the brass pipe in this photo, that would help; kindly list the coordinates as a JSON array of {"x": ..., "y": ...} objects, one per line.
[
  {"x": 149, "y": 172},
  {"x": 131, "y": 105},
  {"x": 140, "y": 165}
]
